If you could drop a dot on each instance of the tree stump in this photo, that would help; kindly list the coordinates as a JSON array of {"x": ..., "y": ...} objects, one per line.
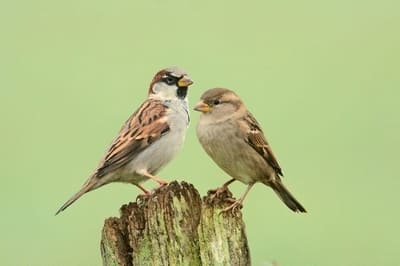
[{"x": 174, "y": 226}]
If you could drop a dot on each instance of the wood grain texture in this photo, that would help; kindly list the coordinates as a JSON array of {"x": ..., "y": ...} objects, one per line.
[{"x": 174, "y": 226}]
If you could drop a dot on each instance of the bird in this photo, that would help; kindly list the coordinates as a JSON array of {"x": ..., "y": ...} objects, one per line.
[
  {"x": 149, "y": 139},
  {"x": 233, "y": 138}
]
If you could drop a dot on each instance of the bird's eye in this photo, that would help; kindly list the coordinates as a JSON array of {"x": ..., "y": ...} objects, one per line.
[
  {"x": 216, "y": 102},
  {"x": 169, "y": 80}
]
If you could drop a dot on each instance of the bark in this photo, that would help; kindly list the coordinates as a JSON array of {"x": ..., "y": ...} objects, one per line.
[{"x": 174, "y": 226}]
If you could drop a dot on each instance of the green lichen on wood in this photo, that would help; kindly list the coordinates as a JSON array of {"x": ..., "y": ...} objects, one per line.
[
  {"x": 114, "y": 247},
  {"x": 222, "y": 235},
  {"x": 174, "y": 226},
  {"x": 168, "y": 231}
]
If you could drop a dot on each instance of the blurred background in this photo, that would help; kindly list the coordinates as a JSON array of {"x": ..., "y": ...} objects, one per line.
[{"x": 322, "y": 78}]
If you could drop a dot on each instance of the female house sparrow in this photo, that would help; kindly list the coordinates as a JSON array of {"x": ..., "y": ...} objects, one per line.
[
  {"x": 149, "y": 139},
  {"x": 232, "y": 137}
]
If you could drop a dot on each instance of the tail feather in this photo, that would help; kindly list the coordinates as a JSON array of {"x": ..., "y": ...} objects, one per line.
[
  {"x": 88, "y": 186},
  {"x": 286, "y": 196}
]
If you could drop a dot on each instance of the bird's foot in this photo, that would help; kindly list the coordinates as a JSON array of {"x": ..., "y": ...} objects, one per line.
[
  {"x": 160, "y": 186},
  {"x": 215, "y": 193},
  {"x": 143, "y": 196},
  {"x": 230, "y": 200},
  {"x": 162, "y": 183},
  {"x": 234, "y": 207}
]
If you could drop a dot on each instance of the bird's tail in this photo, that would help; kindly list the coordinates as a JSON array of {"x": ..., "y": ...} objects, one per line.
[
  {"x": 286, "y": 196},
  {"x": 88, "y": 186}
]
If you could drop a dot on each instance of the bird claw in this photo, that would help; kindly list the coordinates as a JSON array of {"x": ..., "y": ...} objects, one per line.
[
  {"x": 231, "y": 200},
  {"x": 164, "y": 183},
  {"x": 234, "y": 207},
  {"x": 142, "y": 197},
  {"x": 161, "y": 185},
  {"x": 215, "y": 193}
]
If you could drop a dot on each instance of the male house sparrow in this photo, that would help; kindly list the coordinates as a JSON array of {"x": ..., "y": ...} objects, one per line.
[
  {"x": 232, "y": 137},
  {"x": 149, "y": 139}
]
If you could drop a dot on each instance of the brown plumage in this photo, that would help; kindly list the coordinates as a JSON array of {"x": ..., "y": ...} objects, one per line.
[
  {"x": 232, "y": 137},
  {"x": 149, "y": 139},
  {"x": 144, "y": 127}
]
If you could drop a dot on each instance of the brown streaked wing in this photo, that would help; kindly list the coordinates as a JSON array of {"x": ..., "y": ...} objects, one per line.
[
  {"x": 256, "y": 139},
  {"x": 143, "y": 128}
]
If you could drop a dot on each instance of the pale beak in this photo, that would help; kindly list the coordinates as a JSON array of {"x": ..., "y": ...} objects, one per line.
[
  {"x": 185, "y": 81},
  {"x": 202, "y": 107}
]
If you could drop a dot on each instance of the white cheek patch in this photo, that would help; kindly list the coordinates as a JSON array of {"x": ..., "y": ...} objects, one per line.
[{"x": 165, "y": 91}]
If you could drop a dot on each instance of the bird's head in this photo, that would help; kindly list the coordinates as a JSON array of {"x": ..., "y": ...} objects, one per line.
[
  {"x": 219, "y": 103},
  {"x": 170, "y": 83}
]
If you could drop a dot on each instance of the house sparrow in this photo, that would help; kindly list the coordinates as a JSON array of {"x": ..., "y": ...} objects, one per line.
[
  {"x": 232, "y": 137},
  {"x": 149, "y": 139}
]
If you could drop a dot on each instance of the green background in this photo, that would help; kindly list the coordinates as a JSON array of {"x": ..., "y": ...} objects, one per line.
[{"x": 322, "y": 77}]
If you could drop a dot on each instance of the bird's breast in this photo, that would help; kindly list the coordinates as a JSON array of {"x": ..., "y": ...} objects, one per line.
[
  {"x": 178, "y": 115},
  {"x": 230, "y": 151}
]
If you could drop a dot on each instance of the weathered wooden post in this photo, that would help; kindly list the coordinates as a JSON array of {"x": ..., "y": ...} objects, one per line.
[{"x": 174, "y": 226}]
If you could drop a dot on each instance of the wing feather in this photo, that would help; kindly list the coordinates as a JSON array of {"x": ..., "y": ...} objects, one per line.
[
  {"x": 142, "y": 129},
  {"x": 256, "y": 139}
]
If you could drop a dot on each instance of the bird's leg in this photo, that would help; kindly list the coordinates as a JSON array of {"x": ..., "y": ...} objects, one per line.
[
  {"x": 145, "y": 194},
  {"x": 218, "y": 191},
  {"x": 237, "y": 204},
  {"x": 157, "y": 179}
]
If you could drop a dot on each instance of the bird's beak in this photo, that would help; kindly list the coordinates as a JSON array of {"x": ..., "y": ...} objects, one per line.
[
  {"x": 202, "y": 107},
  {"x": 185, "y": 81}
]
